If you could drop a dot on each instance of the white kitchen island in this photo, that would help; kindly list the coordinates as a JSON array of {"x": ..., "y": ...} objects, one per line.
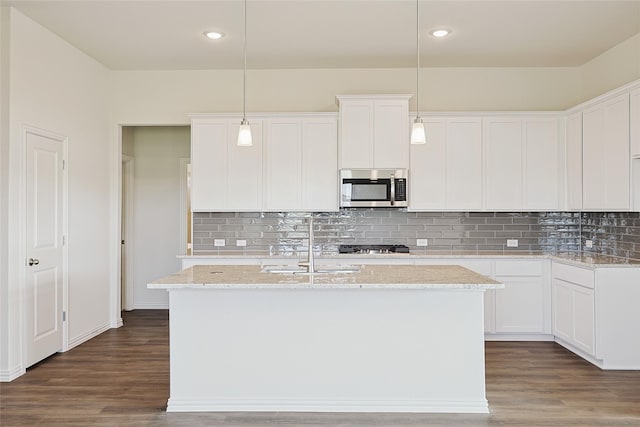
[{"x": 384, "y": 339}]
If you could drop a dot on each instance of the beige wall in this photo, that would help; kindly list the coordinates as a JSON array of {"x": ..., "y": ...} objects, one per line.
[
  {"x": 612, "y": 69},
  {"x": 57, "y": 88},
  {"x": 167, "y": 97},
  {"x": 4, "y": 187}
]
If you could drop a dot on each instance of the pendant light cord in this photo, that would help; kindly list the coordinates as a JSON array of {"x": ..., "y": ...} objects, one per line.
[
  {"x": 244, "y": 74},
  {"x": 418, "y": 58}
]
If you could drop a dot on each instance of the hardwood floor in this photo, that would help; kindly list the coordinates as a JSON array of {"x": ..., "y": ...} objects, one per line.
[{"x": 122, "y": 378}]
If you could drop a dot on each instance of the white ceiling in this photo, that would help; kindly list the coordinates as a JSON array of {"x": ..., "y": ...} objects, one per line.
[{"x": 167, "y": 35}]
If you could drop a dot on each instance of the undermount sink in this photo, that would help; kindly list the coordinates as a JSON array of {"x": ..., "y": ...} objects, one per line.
[{"x": 302, "y": 270}]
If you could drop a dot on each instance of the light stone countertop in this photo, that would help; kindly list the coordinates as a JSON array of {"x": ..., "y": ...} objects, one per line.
[{"x": 434, "y": 277}]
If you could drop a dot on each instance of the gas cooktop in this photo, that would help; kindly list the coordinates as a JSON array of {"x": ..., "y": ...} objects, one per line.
[{"x": 373, "y": 249}]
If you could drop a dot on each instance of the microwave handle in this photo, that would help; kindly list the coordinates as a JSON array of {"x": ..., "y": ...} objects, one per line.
[{"x": 393, "y": 190}]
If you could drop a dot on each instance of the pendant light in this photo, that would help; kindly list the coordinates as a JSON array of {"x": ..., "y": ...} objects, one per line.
[
  {"x": 244, "y": 133},
  {"x": 417, "y": 131}
]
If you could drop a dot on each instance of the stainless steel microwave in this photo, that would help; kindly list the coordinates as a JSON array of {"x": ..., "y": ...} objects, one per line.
[{"x": 375, "y": 188}]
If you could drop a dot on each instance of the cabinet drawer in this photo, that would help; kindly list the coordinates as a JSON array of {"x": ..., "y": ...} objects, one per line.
[
  {"x": 519, "y": 268},
  {"x": 572, "y": 274}
]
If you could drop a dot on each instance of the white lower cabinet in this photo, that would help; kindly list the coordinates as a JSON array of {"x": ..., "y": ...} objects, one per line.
[
  {"x": 595, "y": 313},
  {"x": 519, "y": 307},
  {"x": 521, "y": 310},
  {"x": 574, "y": 306},
  {"x": 522, "y": 307},
  {"x": 573, "y": 315}
]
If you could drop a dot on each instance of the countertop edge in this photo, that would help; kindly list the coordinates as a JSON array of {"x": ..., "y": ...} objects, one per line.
[
  {"x": 563, "y": 258},
  {"x": 363, "y": 286}
]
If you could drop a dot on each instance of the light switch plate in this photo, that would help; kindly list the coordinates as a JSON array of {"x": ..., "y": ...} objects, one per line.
[
  {"x": 512, "y": 243},
  {"x": 422, "y": 242},
  {"x": 219, "y": 242},
  {"x": 241, "y": 243}
]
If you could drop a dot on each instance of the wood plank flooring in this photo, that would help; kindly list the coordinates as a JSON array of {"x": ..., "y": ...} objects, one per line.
[{"x": 121, "y": 378}]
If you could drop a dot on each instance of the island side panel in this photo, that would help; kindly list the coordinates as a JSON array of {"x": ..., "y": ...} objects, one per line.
[{"x": 335, "y": 350}]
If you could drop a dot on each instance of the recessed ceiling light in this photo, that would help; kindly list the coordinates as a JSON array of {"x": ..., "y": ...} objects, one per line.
[
  {"x": 440, "y": 33},
  {"x": 213, "y": 35}
]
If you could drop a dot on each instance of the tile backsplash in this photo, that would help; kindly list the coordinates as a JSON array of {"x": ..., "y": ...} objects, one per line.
[
  {"x": 612, "y": 233},
  {"x": 286, "y": 232}
]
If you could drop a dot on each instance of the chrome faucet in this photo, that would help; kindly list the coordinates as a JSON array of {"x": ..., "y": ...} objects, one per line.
[{"x": 312, "y": 264}]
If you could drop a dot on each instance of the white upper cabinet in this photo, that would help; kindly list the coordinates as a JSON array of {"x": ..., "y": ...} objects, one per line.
[
  {"x": 521, "y": 169},
  {"x": 635, "y": 123},
  {"x": 225, "y": 177},
  {"x": 374, "y": 131},
  {"x": 605, "y": 144},
  {"x": 574, "y": 161},
  {"x": 301, "y": 164},
  {"x": 300, "y": 159},
  {"x": 320, "y": 164},
  {"x": 502, "y": 163},
  {"x": 283, "y": 164},
  {"x": 540, "y": 164},
  {"x": 445, "y": 172}
]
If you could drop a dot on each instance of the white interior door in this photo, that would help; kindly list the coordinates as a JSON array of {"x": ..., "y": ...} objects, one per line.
[{"x": 44, "y": 247}]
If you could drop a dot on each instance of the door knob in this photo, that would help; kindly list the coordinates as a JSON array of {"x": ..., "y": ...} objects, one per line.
[{"x": 34, "y": 261}]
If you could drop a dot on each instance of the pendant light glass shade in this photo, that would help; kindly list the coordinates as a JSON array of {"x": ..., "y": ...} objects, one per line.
[
  {"x": 418, "y": 135},
  {"x": 244, "y": 133}
]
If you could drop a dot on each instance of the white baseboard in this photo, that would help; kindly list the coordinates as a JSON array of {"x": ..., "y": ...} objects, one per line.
[
  {"x": 518, "y": 337},
  {"x": 87, "y": 336},
  {"x": 579, "y": 353},
  {"x": 11, "y": 374},
  {"x": 151, "y": 306},
  {"x": 295, "y": 405}
]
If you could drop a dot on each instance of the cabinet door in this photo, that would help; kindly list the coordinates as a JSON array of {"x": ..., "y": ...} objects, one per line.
[
  {"x": 244, "y": 169},
  {"x": 428, "y": 168},
  {"x": 356, "y": 134},
  {"x": 391, "y": 134},
  {"x": 541, "y": 180},
  {"x": 283, "y": 163},
  {"x": 503, "y": 163},
  {"x": 464, "y": 164},
  {"x": 446, "y": 173},
  {"x": 563, "y": 312},
  {"x": 606, "y": 155},
  {"x": 584, "y": 320},
  {"x": 635, "y": 123},
  {"x": 519, "y": 306},
  {"x": 209, "y": 165},
  {"x": 320, "y": 165},
  {"x": 574, "y": 161}
]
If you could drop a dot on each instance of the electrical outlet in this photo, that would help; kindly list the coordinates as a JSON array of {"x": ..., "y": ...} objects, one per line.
[
  {"x": 588, "y": 244},
  {"x": 219, "y": 242},
  {"x": 512, "y": 243},
  {"x": 241, "y": 243},
  {"x": 422, "y": 242}
]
